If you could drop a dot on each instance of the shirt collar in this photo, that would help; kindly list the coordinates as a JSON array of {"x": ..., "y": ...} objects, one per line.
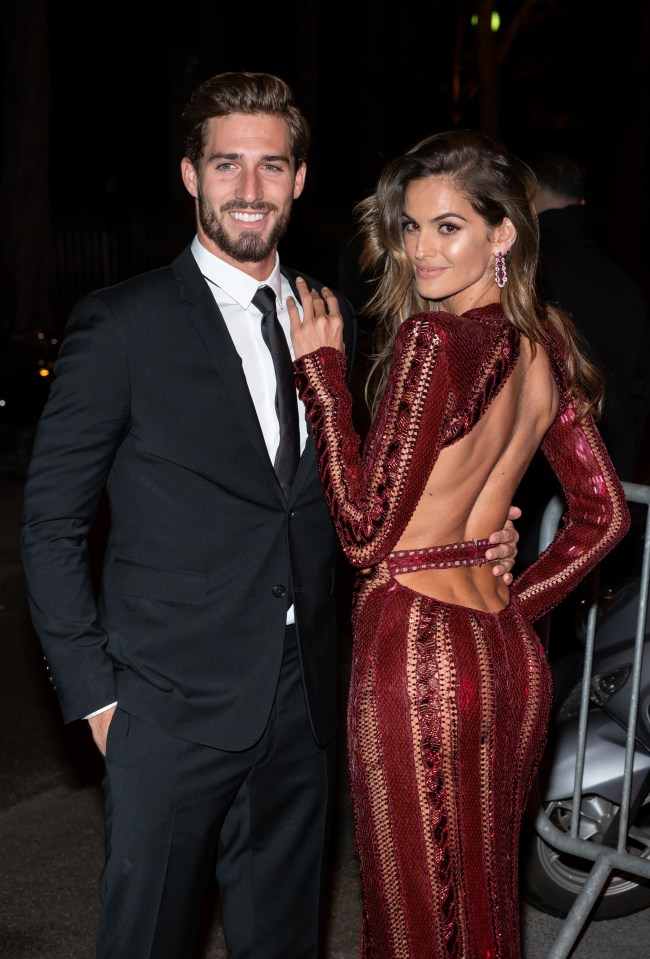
[{"x": 238, "y": 285}]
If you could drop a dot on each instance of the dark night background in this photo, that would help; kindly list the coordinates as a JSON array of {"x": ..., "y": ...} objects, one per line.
[
  {"x": 92, "y": 95},
  {"x": 90, "y": 192}
]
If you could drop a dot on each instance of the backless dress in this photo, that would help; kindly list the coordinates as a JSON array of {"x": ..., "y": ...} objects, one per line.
[{"x": 448, "y": 706}]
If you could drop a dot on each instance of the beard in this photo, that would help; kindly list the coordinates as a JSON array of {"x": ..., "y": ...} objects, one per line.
[{"x": 248, "y": 247}]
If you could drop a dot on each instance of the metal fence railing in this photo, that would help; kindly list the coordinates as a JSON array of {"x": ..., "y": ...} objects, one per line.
[{"x": 607, "y": 859}]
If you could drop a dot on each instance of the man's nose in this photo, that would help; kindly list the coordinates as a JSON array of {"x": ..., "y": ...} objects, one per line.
[{"x": 251, "y": 186}]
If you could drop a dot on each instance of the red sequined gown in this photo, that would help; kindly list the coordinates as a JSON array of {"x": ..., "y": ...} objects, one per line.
[{"x": 448, "y": 706}]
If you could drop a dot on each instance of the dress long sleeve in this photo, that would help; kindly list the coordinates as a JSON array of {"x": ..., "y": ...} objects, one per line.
[
  {"x": 371, "y": 494},
  {"x": 597, "y": 515}
]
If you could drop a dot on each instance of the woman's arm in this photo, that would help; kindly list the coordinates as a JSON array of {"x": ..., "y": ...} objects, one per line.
[{"x": 597, "y": 517}]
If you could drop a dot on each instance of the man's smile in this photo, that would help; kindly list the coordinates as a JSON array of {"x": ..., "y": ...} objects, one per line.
[{"x": 247, "y": 217}]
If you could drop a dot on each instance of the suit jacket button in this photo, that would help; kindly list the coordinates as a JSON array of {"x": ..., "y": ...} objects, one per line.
[
  {"x": 279, "y": 591},
  {"x": 291, "y": 514}
]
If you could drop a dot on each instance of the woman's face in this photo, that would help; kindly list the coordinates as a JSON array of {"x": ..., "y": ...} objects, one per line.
[{"x": 451, "y": 247}]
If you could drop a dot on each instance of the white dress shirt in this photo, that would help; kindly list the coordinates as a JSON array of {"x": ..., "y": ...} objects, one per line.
[{"x": 233, "y": 291}]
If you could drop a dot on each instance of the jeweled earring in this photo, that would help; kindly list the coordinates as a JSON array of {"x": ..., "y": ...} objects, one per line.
[{"x": 500, "y": 272}]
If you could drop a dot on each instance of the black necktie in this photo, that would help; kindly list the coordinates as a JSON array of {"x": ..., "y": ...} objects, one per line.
[{"x": 288, "y": 454}]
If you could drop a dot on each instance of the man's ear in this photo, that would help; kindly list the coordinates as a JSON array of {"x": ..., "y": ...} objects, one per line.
[
  {"x": 504, "y": 235},
  {"x": 190, "y": 177},
  {"x": 299, "y": 180}
]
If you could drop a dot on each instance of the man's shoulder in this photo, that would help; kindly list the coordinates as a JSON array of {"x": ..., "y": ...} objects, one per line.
[
  {"x": 292, "y": 273},
  {"x": 149, "y": 285},
  {"x": 311, "y": 281},
  {"x": 134, "y": 285}
]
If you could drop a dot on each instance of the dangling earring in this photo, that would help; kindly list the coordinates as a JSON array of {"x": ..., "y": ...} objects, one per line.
[{"x": 500, "y": 272}]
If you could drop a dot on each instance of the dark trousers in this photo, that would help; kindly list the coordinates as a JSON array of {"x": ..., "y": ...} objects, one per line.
[{"x": 172, "y": 806}]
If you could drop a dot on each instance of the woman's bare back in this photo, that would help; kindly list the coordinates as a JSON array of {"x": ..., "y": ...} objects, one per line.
[{"x": 473, "y": 482}]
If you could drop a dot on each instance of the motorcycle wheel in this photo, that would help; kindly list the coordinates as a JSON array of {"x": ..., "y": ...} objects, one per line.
[{"x": 551, "y": 880}]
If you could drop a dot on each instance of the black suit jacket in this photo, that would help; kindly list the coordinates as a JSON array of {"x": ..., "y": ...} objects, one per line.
[{"x": 150, "y": 403}]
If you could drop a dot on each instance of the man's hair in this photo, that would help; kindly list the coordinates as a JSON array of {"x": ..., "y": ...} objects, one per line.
[
  {"x": 559, "y": 172},
  {"x": 258, "y": 94}
]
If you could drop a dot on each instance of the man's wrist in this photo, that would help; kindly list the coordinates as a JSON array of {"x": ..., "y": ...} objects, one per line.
[{"x": 102, "y": 710}]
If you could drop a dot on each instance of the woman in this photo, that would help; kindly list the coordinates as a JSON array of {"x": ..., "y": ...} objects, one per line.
[{"x": 450, "y": 687}]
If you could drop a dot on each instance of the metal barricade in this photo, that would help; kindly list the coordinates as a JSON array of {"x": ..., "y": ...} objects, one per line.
[{"x": 606, "y": 859}]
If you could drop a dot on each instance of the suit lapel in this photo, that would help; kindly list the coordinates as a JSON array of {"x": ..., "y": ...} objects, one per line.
[
  {"x": 205, "y": 316},
  {"x": 308, "y": 458}
]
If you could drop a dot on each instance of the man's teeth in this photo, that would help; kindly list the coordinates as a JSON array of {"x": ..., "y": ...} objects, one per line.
[{"x": 248, "y": 217}]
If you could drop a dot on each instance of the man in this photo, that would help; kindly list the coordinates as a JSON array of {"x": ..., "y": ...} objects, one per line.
[
  {"x": 610, "y": 313},
  {"x": 604, "y": 302},
  {"x": 207, "y": 667}
]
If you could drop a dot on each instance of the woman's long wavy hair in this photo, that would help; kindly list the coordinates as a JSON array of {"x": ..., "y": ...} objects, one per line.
[{"x": 497, "y": 185}]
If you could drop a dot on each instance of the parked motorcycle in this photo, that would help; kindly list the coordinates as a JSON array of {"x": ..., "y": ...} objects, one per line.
[{"x": 551, "y": 879}]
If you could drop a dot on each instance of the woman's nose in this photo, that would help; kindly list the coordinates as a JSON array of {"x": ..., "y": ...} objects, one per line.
[{"x": 424, "y": 248}]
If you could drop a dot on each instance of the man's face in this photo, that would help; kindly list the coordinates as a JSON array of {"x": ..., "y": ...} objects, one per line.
[{"x": 244, "y": 189}]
